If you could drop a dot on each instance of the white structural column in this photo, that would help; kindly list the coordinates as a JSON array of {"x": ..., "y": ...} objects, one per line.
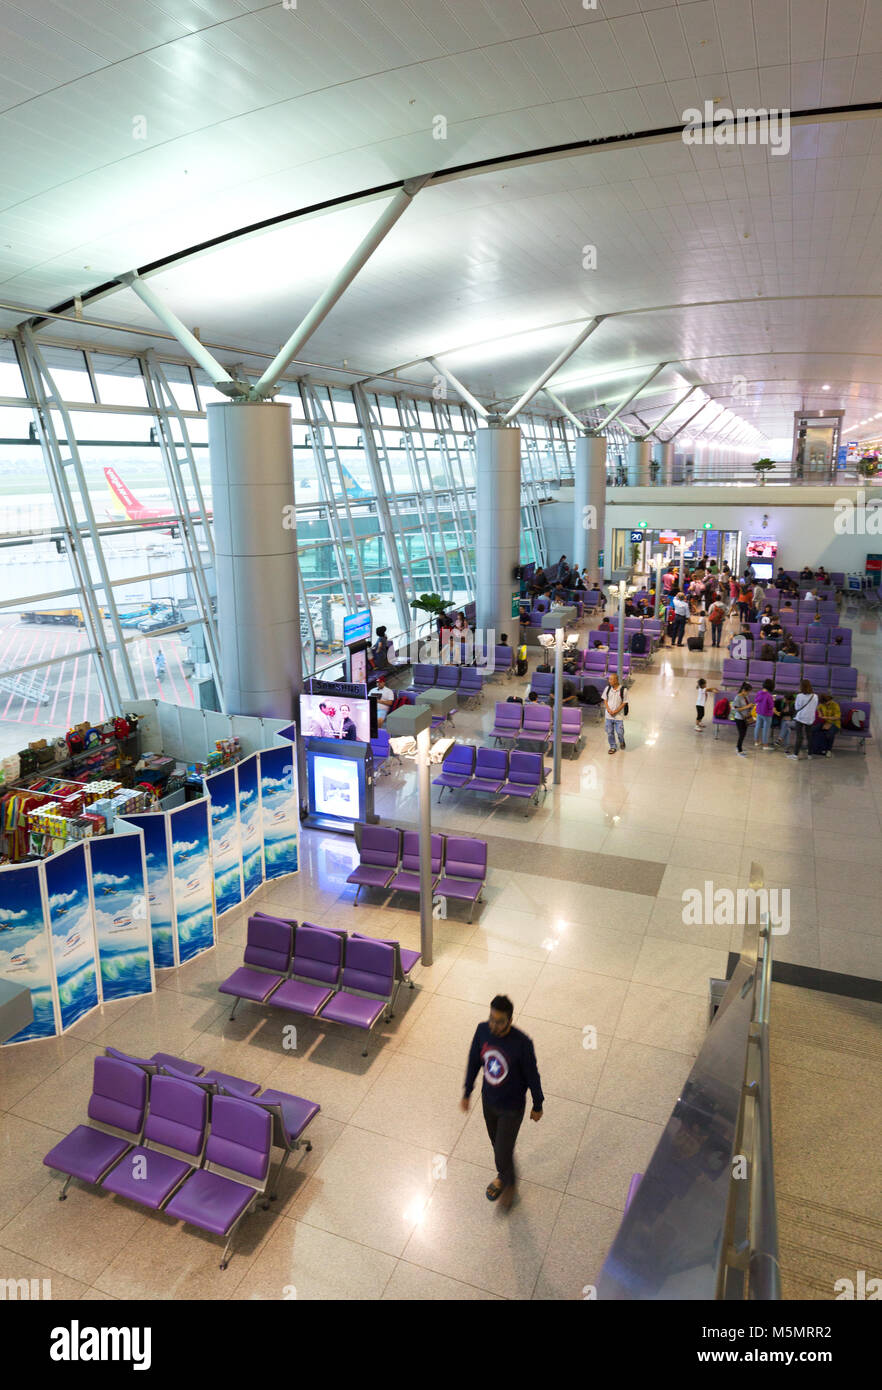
[
  {"x": 639, "y": 457},
  {"x": 589, "y": 502},
  {"x": 667, "y": 463},
  {"x": 498, "y": 537},
  {"x": 255, "y": 536}
]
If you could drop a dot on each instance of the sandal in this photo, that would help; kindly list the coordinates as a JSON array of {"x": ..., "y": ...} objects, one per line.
[{"x": 493, "y": 1191}]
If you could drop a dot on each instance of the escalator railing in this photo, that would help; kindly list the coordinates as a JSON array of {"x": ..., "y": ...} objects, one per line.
[{"x": 702, "y": 1223}]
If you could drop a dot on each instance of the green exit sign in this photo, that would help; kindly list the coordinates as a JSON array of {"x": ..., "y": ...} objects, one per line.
[
  {"x": 708, "y": 526},
  {"x": 642, "y": 525}
]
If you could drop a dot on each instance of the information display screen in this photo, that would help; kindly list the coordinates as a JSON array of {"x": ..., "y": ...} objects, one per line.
[
  {"x": 335, "y": 783},
  {"x": 762, "y": 569},
  {"x": 333, "y": 716},
  {"x": 761, "y": 548}
]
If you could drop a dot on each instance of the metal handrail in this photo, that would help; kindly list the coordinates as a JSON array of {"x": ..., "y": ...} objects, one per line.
[{"x": 703, "y": 1222}]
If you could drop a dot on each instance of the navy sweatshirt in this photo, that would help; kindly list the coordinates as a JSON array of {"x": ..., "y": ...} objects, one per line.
[{"x": 509, "y": 1065}]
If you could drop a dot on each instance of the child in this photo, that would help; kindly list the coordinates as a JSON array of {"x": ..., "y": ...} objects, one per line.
[{"x": 702, "y": 690}]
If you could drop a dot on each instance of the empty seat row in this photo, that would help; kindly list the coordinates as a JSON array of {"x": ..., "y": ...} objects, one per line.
[
  {"x": 532, "y": 723},
  {"x": 390, "y": 859},
  {"x": 495, "y": 770},
  {"x": 170, "y": 1136},
  {"x": 322, "y": 972},
  {"x": 788, "y": 674},
  {"x": 467, "y": 681}
]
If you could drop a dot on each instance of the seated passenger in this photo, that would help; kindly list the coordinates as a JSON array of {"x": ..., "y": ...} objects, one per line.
[{"x": 385, "y": 698}]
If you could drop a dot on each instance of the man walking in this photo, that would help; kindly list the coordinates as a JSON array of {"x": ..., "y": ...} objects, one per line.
[
  {"x": 614, "y": 705},
  {"x": 681, "y": 613},
  {"x": 508, "y": 1060}
]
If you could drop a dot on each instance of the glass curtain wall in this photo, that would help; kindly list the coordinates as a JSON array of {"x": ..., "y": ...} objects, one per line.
[{"x": 107, "y": 589}]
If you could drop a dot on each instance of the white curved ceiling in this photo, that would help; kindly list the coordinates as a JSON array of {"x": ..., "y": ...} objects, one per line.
[{"x": 130, "y": 131}]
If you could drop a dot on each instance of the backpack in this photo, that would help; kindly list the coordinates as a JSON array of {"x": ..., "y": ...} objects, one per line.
[
  {"x": 590, "y": 695},
  {"x": 721, "y": 708},
  {"x": 521, "y": 668},
  {"x": 638, "y": 644}
]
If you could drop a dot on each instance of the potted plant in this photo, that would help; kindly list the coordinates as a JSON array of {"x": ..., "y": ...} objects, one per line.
[
  {"x": 762, "y": 467},
  {"x": 867, "y": 466},
  {"x": 433, "y": 604}
]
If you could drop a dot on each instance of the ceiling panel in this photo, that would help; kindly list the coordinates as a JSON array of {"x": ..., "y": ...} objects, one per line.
[{"x": 254, "y": 110}]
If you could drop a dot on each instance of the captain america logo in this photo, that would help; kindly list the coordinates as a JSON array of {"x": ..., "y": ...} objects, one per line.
[{"x": 495, "y": 1066}]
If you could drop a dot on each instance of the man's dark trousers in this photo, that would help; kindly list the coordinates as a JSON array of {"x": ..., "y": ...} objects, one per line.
[{"x": 503, "y": 1126}]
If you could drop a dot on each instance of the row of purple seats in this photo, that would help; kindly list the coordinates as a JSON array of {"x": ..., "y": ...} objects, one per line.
[
  {"x": 467, "y": 681},
  {"x": 533, "y": 723},
  {"x": 178, "y": 1141},
  {"x": 494, "y": 770},
  {"x": 390, "y": 859},
  {"x": 788, "y": 674},
  {"x": 809, "y": 632},
  {"x": 599, "y": 663},
  {"x": 860, "y": 733},
  {"x": 322, "y": 972}
]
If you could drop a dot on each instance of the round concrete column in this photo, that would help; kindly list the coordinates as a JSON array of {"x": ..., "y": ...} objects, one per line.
[
  {"x": 498, "y": 528},
  {"x": 255, "y": 539},
  {"x": 589, "y": 502},
  {"x": 639, "y": 457},
  {"x": 667, "y": 464}
]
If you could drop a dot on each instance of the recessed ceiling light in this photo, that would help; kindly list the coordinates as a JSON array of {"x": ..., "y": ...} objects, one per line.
[{"x": 825, "y": 388}]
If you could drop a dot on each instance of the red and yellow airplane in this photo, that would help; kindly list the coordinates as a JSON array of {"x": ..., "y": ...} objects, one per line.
[{"x": 127, "y": 504}]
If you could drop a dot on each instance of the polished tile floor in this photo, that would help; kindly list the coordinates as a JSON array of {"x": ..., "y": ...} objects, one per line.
[{"x": 583, "y": 926}]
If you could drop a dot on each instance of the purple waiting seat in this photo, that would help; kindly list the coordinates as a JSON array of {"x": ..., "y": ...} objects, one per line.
[
  {"x": 543, "y": 684},
  {"x": 447, "y": 678},
  {"x": 815, "y": 653},
  {"x": 151, "y": 1065},
  {"x": 855, "y": 722},
  {"x": 491, "y": 770},
  {"x": 526, "y": 777},
  {"x": 237, "y": 1162},
  {"x": 788, "y": 674},
  {"x": 503, "y": 660},
  {"x": 315, "y": 970},
  {"x": 367, "y": 986},
  {"x": 291, "y": 1115},
  {"x": 818, "y": 675},
  {"x": 213, "y": 1082},
  {"x": 423, "y": 676},
  {"x": 843, "y": 680},
  {"x": 471, "y": 683},
  {"x": 536, "y": 727},
  {"x": 379, "y": 854},
  {"x": 760, "y": 671},
  {"x": 465, "y": 869},
  {"x": 405, "y": 960},
  {"x": 507, "y": 721},
  {"x": 174, "y": 1138},
  {"x": 838, "y": 656},
  {"x": 267, "y": 961},
  {"x": 734, "y": 671},
  {"x": 407, "y": 880},
  {"x": 571, "y": 726},
  {"x": 116, "y": 1108},
  {"x": 457, "y": 768}
]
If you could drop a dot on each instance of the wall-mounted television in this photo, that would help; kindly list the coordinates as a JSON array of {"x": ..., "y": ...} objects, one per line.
[
  {"x": 761, "y": 548},
  {"x": 337, "y": 716},
  {"x": 762, "y": 569}
]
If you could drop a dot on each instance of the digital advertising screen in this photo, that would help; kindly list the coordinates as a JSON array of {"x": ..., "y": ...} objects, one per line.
[
  {"x": 763, "y": 569},
  {"x": 761, "y": 548},
  {"x": 356, "y": 626},
  {"x": 358, "y": 665},
  {"x": 332, "y": 716}
]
